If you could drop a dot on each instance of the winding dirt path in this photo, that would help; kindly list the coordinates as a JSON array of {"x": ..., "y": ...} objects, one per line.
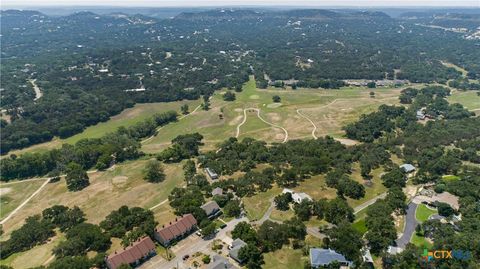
[
  {"x": 262, "y": 119},
  {"x": 299, "y": 112}
]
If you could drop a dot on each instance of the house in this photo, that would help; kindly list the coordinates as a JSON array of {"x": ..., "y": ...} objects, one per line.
[
  {"x": 211, "y": 173},
  {"x": 176, "y": 231},
  {"x": 420, "y": 115},
  {"x": 407, "y": 168},
  {"x": 394, "y": 250},
  {"x": 234, "y": 251},
  {"x": 217, "y": 191},
  {"x": 212, "y": 209},
  {"x": 320, "y": 257},
  {"x": 219, "y": 262},
  {"x": 299, "y": 197},
  {"x": 133, "y": 255}
]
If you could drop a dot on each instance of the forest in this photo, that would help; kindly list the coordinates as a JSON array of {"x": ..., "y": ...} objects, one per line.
[{"x": 88, "y": 70}]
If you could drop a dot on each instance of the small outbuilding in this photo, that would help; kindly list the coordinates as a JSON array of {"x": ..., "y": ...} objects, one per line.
[
  {"x": 407, "y": 168},
  {"x": 211, "y": 173},
  {"x": 217, "y": 191}
]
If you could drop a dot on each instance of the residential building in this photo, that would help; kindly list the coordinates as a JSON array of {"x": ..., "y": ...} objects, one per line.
[
  {"x": 212, "y": 209},
  {"x": 133, "y": 255},
  {"x": 211, "y": 173},
  {"x": 237, "y": 244},
  {"x": 176, "y": 231},
  {"x": 320, "y": 257},
  {"x": 299, "y": 197},
  {"x": 407, "y": 168},
  {"x": 219, "y": 262},
  {"x": 217, "y": 191}
]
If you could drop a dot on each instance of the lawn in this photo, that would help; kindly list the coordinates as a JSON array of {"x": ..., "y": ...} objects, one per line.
[
  {"x": 423, "y": 213},
  {"x": 372, "y": 189},
  {"x": 14, "y": 193},
  {"x": 37, "y": 256},
  {"x": 448, "y": 178},
  {"x": 420, "y": 241},
  {"x": 282, "y": 215},
  {"x": 284, "y": 258},
  {"x": 258, "y": 204},
  {"x": 316, "y": 188},
  {"x": 360, "y": 226},
  {"x": 469, "y": 99}
]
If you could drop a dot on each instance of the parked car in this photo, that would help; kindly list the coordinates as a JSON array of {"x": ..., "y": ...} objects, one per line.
[{"x": 223, "y": 226}]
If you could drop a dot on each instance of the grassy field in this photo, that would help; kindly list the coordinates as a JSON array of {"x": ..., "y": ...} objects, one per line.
[
  {"x": 128, "y": 117},
  {"x": 423, "y": 213},
  {"x": 372, "y": 189},
  {"x": 282, "y": 215},
  {"x": 360, "y": 226},
  {"x": 420, "y": 241},
  {"x": 328, "y": 109},
  {"x": 13, "y": 194},
  {"x": 469, "y": 99},
  {"x": 37, "y": 256},
  {"x": 108, "y": 190},
  {"x": 258, "y": 204},
  {"x": 284, "y": 258}
]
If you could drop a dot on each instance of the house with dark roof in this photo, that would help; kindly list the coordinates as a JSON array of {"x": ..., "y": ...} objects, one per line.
[
  {"x": 211, "y": 173},
  {"x": 133, "y": 255},
  {"x": 175, "y": 231},
  {"x": 234, "y": 251},
  {"x": 320, "y": 257},
  {"x": 212, "y": 209},
  {"x": 219, "y": 262}
]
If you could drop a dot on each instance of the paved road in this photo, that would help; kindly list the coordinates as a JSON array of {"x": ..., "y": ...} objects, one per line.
[
  {"x": 266, "y": 215},
  {"x": 410, "y": 224},
  {"x": 189, "y": 245},
  {"x": 368, "y": 203}
]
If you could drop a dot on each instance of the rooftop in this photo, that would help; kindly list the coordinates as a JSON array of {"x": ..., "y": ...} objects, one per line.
[
  {"x": 139, "y": 249},
  {"x": 210, "y": 207},
  {"x": 179, "y": 227},
  {"x": 321, "y": 257}
]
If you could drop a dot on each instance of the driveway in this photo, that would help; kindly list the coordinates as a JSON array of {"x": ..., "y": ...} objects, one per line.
[
  {"x": 410, "y": 224},
  {"x": 189, "y": 245}
]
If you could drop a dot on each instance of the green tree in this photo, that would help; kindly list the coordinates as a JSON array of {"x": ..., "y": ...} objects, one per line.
[
  {"x": 77, "y": 178},
  {"x": 153, "y": 172},
  {"x": 346, "y": 240},
  {"x": 276, "y": 99},
  {"x": 282, "y": 201},
  {"x": 184, "y": 109},
  {"x": 64, "y": 217},
  {"x": 245, "y": 231},
  {"x": 229, "y": 96},
  {"x": 252, "y": 257},
  {"x": 189, "y": 170},
  {"x": 209, "y": 229},
  {"x": 232, "y": 208}
]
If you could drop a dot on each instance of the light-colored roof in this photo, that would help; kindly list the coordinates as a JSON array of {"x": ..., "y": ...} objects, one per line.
[
  {"x": 287, "y": 191},
  {"x": 407, "y": 167},
  {"x": 321, "y": 257},
  {"x": 301, "y": 196}
]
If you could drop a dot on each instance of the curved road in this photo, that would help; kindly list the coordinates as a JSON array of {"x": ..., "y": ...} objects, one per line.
[
  {"x": 311, "y": 122},
  {"x": 410, "y": 224},
  {"x": 262, "y": 119}
]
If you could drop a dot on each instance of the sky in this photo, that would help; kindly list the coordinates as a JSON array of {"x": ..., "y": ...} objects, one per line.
[{"x": 194, "y": 3}]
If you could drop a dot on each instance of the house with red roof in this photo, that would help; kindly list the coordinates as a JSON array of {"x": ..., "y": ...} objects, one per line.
[
  {"x": 176, "y": 231},
  {"x": 133, "y": 255}
]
